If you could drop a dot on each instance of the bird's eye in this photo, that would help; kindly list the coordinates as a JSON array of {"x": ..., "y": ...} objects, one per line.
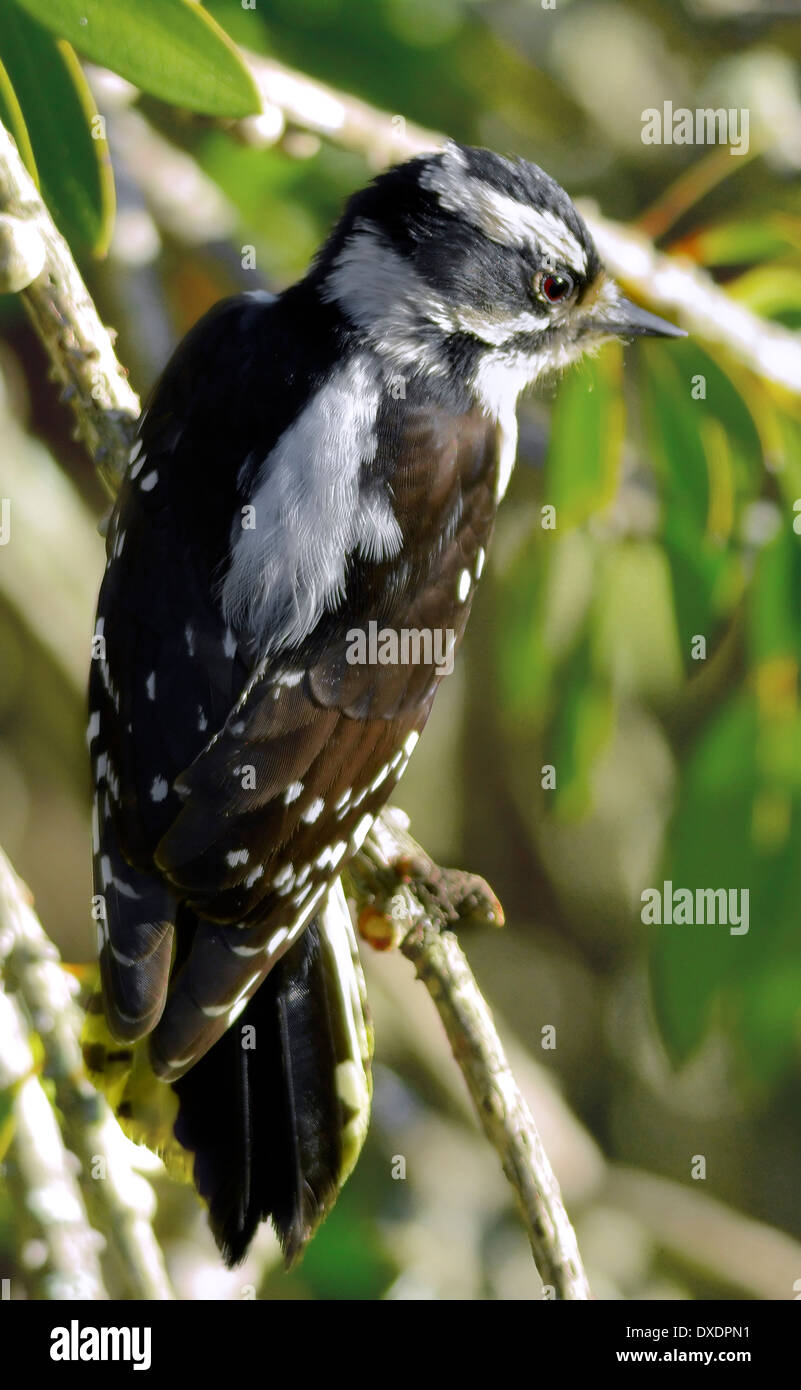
[{"x": 552, "y": 287}]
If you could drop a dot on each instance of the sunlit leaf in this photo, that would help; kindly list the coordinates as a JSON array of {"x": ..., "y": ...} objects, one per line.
[
  {"x": 705, "y": 472},
  {"x": 775, "y": 600},
  {"x": 579, "y": 731},
  {"x": 170, "y": 48},
  {"x": 73, "y": 164},
  {"x": 770, "y": 290},
  {"x": 585, "y": 450},
  {"x": 12, "y": 118},
  {"x": 737, "y": 827},
  {"x": 742, "y": 243},
  {"x": 634, "y": 637}
]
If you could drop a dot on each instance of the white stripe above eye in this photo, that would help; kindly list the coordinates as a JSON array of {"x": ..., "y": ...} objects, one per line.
[{"x": 499, "y": 217}]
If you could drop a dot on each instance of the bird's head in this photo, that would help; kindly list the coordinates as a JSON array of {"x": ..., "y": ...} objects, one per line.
[{"x": 469, "y": 267}]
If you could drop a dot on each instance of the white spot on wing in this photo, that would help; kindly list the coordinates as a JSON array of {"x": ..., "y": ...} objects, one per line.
[
  {"x": 381, "y": 776},
  {"x": 285, "y": 877},
  {"x": 313, "y": 811},
  {"x": 361, "y": 832},
  {"x": 159, "y": 789},
  {"x": 215, "y": 1010},
  {"x": 463, "y": 587},
  {"x": 338, "y": 852}
]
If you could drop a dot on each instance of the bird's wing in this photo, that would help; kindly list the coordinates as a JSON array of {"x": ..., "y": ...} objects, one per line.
[{"x": 312, "y": 750}]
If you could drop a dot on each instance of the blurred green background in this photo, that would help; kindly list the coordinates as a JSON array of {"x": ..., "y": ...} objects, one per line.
[{"x": 674, "y": 520}]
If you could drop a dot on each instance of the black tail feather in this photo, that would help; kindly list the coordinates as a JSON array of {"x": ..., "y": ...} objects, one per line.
[{"x": 261, "y": 1113}]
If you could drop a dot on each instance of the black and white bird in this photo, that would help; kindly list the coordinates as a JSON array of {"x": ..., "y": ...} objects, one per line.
[{"x": 308, "y": 464}]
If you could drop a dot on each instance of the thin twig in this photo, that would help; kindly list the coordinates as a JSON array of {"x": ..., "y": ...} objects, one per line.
[
  {"x": 406, "y": 899},
  {"x": 435, "y": 896}
]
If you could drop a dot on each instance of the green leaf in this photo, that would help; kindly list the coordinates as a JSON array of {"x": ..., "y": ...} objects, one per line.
[
  {"x": 737, "y": 826},
  {"x": 12, "y": 118},
  {"x": 775, "y": 600},
  {"x": 170, "y": 48},
  {"x": 691, "y": 962},
  {"x": 635, "y": 643},
  {"x": 770, "y": 290},
  {"x": 74, "y": 169},
  {"x": 524, "y": 666},
  {"x": 706, "y": 454},
  {"x": 771, "y": 1018},
  {"x": 740, "y": 243},
  {"x": 581, "y": 728},
  {"x": 586, "y": 444}
]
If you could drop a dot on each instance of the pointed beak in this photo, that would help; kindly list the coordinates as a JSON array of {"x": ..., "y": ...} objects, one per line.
[{"x": 628, "y": 320}]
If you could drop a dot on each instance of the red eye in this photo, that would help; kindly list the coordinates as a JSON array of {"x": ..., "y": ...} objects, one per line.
[{"x": 552, "y": 288}]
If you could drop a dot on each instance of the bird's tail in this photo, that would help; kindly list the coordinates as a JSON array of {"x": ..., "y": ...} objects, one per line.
[{"x": 269, "y": 1123}]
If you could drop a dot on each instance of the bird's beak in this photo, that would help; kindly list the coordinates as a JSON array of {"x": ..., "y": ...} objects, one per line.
[{"x": 628, "y": 320}]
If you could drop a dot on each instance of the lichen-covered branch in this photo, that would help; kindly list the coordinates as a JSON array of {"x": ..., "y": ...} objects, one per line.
[
  {"x": 58, "y": 1248},
  {"x": 104, "y": 407},
  {"x": 79, "y": 346},
  {"x": 40, "y": 998},
  {"x": 405, "y": 899}
]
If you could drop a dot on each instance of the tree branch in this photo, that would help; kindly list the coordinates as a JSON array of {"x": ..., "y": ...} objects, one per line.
[
  {"x": 392, "y": 866},
  {"x": 40, "y": 998},
  {"x": 80, "y": 349},
  {"x": 407, "y": 900}
]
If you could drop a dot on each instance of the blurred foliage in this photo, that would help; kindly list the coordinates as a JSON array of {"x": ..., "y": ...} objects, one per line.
[{"x": 638, "y": 630}]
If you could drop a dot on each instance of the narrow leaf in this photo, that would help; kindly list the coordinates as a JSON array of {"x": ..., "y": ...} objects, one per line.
[
  {"x": 74, "y": 169},
  {"x": 170, "y": 48}
]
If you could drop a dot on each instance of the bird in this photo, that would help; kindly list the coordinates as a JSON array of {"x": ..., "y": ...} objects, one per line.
[{"x": 309, "y": 463}]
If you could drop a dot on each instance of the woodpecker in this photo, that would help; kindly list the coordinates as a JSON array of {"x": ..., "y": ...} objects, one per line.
[{"x": 309, "y": 463}]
